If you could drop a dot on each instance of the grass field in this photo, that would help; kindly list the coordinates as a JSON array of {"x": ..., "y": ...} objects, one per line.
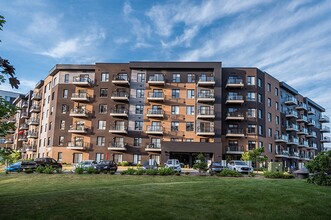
[{"x": 70, "y": 196}]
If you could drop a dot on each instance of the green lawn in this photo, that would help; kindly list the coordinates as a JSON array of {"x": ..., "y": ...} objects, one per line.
[{"x": 70, "y": 196}]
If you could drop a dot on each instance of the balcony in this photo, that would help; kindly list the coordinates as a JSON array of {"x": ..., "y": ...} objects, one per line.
[
  {"x": 311, "y": 111},
  {"x": 155, "y": 96},
  {"x": 155, "y": 113},
  {"x": 82, "y": 81},
  {"x": 31, "y": 148},
  {"x": 311, "y": 122},
  {"x": 303, "y": 131},
  {"x": 235, "y": 116},
  {"x": 291, "y": 101},
  {"x": 324, "y": 119},
  {"x": 235, "y": 132},
  {"x": 206, "y": 114},
  {"x": 120, "y": 96},
  {"x": 325, "y": 129},
  {"x": 292, "y": 127},
  {"x": 121, "y": 80},
  {"x": 206, "y": 97},
  {"x": 79, "y": 112},
  {"x": 282, "y": 154},
  {"x": 235, "y": 150},
  {"x": 117, "y": 146},
  {"x": 312, "y": 146},
  {"x": 22, "y": 138},
  {"x": 11, "y": 131},
  {"x": 158, "y": 130},
  {"x": 119, "y": 112},
  {"x": 25, "y": 104},
  {"x": 80, "y": 97},
  {"x": 33, "y": 121},
  {"x": 24, "y": 115},
  {"x": 301, "y": 106},
  {"x": 281, "y": 138},
  {"x": 294, "y": 155},
  {"x": 78, "y": 129},
  {"x": 153, "y": 147},
  {"x": 311, "y": 134},
  {"x": 118, "y": 129},
  {"x": 24, "y": 127},
  {"x": 36, "y": 96},
  {"x": 291, "y": 114},
  {"x": 326, "y": 140},
  {"x": 234, "y": 99},
  {"x": 303, "y": 143},
  {"x": 12, "y": 120},
  {"x": 32, "y": 134},
  {"x": 305, "y": 157},
  {"x": 302, "y": 118},
  {"x": 9, "y": 141},
  {"x": 234, "y": 83},
  {"x": 156, "y": 80},
  {"x": 205, "y": 131},
  {"x": 35, "y": 109},
  {"x": 293, "y": 141},
  {"x": 78, "y": 145},
  {"x": 206, "y": 81}
]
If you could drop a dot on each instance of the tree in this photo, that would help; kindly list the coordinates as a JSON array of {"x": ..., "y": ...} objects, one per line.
[
  {"x": 255, "y": 155},
  {"x": 320, "y": 166},
  {"x": 201, "y": 164},
  {"x": 8, "y": 156}
]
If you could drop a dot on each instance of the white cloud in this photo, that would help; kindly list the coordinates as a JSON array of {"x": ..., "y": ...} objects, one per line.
[
  {"x": 127, "y": 9},
  {"x": 24, "y": 87}
]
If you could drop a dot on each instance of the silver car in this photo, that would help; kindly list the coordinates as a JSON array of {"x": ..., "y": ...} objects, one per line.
[
  {"x": 174, "y": 164},
  {"x": 239, "y": 166},
  {"x": 85, "y": 164}
]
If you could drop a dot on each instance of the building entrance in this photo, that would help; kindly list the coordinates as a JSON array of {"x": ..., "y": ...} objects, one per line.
[{"x": 188, "y": 159}]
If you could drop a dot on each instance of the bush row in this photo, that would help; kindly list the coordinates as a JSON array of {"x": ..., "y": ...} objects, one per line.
[
  {"x": 161, "y": 171},
  {"x": 278, "y": 175},
  {"x": 90, "y": 170}
]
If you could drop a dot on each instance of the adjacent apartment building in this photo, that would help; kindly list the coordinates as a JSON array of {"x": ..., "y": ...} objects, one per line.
[{"x": 160, "y": 110}]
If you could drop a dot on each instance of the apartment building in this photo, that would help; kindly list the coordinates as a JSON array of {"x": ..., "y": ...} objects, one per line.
[{"x": 140, "y": 110}]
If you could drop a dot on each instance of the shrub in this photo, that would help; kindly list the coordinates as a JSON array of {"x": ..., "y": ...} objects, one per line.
[
  {"x": 287, "y": 175},
  {"x": 140, "y": 172},
  {"x": 229, "y": 173},
  {"x": 320, "y": 179},
  {"x": 252, "y": 174},
  {"x": 320, "y": 166},
  {"x": 90, "y": 170},
  {"x": 187, "y": 173},
  {"x": 124, "y": 172},
  {"x": 125, "y": 163},
  {"x": 177, "y": 173},
  {"x": 79, "y": 170},
  {"x": 166, "y": 171},
  {"x": 112, "y": 172},
  {"x": 200, "y": 164},
  {"x": 49, "y": 169},
  {"x": 131, "y": 171},
  {"x": 151, "y": 172},
  {"x": 105, "y": 171},
  {"x": 28, "y": 171},
  {"x": 40, "y": 169},
  {"x": 278, "y": 175}
]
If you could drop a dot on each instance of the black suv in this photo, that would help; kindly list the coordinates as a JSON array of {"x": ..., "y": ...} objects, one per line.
[{"x": 106, "y": 165}]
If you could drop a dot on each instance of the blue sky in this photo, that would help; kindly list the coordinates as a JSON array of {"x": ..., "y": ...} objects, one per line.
[{"x": 288, "y": 39}]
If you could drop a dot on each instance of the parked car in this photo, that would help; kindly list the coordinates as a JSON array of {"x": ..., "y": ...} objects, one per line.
[
  {"x": 14, "y": 167},
  {"x": 239, "y": 166},
  {"x": 25, "y": 165},
  {"x": 216, "y": 167},
  {"x": 106, "y": 165},
  {"x": 174, "y": 164},
  {"x": 150, "y": 164},
  {"x": 85, "y": 164}
]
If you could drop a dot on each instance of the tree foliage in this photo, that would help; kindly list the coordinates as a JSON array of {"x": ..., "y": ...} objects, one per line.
[
  {"x": 9, "y": 156},
  {"x": 255, "y": 155},
  {"x": 320, "y": 166},
  {"x": 201, "y": 164}
]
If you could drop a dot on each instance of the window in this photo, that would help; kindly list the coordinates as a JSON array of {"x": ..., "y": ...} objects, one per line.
[
  {"x": 269, "y": 132},
  {"x": 259, "y": 82},
  {"x": 104, "y": 92},
  {"x": 176, "y": 139},
  {"x": 102, "y": 108},
  {"x": 139, "y": 109},
  {"x": 44, "y": 142},
  {"x": 156, "y": 158},
  {"x": 99, "y": 157},
  {"x": 102, "y": 125},
  {"x": 251, "y": 96},
  {"x": 251, "y": 145},
  {"x": 269, "y": 117},
  {"x": 46, "y": 127},
  {"x": 176, "y": 77},
  {"x": 190, "y": 93},
  {"x": 50, "y": 125},
  {"x": 137, "y": 159},
  {"x": 251, "y": 129},
  {"x": 77, "y": 157},
  {"x": 189, "y": 126},
  {"x": 48, "y": 99},
  {"x": 251, "y": 112},
  {"x": 175, "y": 94},
  {"x": 61, "y": 140},
  {"x": 270, "y": 148},
  {"x": 138, "y": 125},
  {"x": 260, "y": 130},
  {"x": 52, "y": 110},
  {"x": 269, "y": 102},
  {"x": 118, "y": 158},
  {"x": 174, "y": 126},
  {"x": 259, "y": 98},
  {"x": 65, "y": 93},
  {"x": 59, "y": 157},
  {"x": 64, "y": 108},
  {"x": 269, "y": 87},
  {"x": 276, "y": 105},
  {"x": 101, "y": 141},
  {"x": 48, "y": 141},
  {"x": 137, "y": 142},
  {"x": 276, "y": 91},
  {"x": 140, "y": 93},
  {"x": 260, "y": 144},
  {"x": 175, "y": 110},
  {"x": 53, "y": 94},
  {"x": 66, "y": 78},
  {"x": 277, "y": 120},
  {"x": 190, "y": 110},
  {"x": 104, "y": 77},
  {"x": 62, "y": 124},
  {"x": 190, "y": 78},
  {"x": 141, "y": 77},
  {"x": 260, "y": 114},
  {"x": 251, "y": 80}
]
